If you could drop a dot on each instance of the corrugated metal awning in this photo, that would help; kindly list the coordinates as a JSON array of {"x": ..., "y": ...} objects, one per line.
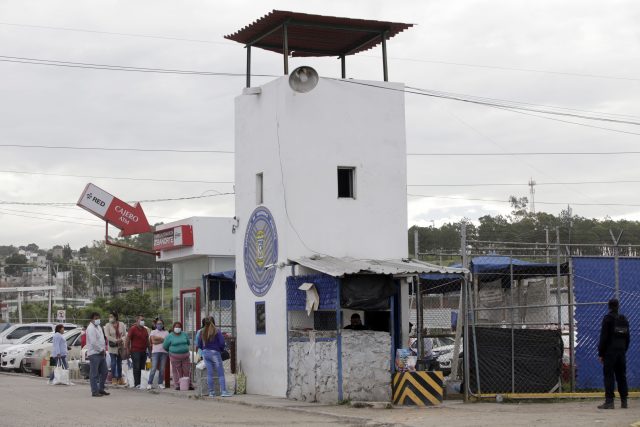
[
  {"x": 315, "y": 35},
  {"x": 339, "y": 267}
]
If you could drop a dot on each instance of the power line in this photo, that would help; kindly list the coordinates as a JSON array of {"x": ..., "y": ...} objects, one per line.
[
  {"x": 48, "y": 219},
  {"x": 144, "y": 150},
  {"x": 542, "y": 153},
  {"x": 93, "y": 66},
  {"x": 119, "y": 177},
  {"x": 47, "y": 214},
  {"x": 58, "y": 204},
  {"x": 526, "y": 184},
  {"x": 430, "y": 61},
  {"x": 508, "y": 201},
  {"x": 111, "y": 33}
]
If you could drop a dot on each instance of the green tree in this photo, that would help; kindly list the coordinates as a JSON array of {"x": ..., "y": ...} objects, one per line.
[{"x": 15, "y": 264}]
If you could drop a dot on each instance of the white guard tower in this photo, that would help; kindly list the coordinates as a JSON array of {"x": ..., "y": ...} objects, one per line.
[{"x": 320, "y": 188}]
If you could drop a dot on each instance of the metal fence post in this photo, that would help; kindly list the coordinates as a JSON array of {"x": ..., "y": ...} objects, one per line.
[
  {"x": 513, "y": 344},
  {"x": 572, "y": 355},
  {"x": 559, "y": 297},
  {"x": 616, "y": 261}
]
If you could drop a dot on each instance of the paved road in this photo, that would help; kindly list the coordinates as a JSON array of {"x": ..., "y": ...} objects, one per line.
[{"x": 27, "y": 401}]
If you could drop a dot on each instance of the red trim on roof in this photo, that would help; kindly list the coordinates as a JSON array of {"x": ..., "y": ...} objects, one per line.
[{"x": 315, "y": 35}]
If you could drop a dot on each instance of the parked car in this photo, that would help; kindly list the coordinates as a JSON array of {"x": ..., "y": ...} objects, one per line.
[
  {"x": 13, "y": 356},
  {"x": 27, "y": 339},
  {"x": 34, "y": 354},
  {"x": 15, "y": 332},
  {"x": 4, "y": 326},
  {"x": 444, "y": 356}
]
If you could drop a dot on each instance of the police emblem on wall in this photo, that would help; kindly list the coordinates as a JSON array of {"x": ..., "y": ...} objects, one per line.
[{"x": 260, "y": 251}]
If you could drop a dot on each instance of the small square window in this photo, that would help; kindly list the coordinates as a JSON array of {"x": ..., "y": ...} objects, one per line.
[
  {"x": 261, "y": 318},
  {"x": 346, "y": 182},
  {"x": 259, "y": 188}
]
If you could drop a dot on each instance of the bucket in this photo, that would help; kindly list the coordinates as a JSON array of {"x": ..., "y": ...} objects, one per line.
[{"x": 184, "y": 383}]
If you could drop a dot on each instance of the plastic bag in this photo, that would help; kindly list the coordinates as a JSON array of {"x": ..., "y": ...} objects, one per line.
[
  {"x": 201, "y": 365},
  {"x": 60, "y": 375},
  {"x": 107, "y": 359}
]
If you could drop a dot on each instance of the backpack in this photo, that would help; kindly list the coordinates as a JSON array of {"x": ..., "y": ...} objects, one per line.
[{"x": 620, "y": 327}]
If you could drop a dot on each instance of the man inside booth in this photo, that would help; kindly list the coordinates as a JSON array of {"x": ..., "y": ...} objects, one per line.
[{"x": 356, "y": 323}]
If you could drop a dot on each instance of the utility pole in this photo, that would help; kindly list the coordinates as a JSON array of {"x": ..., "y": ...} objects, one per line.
[
  {"x": 415, "y": 242},
  {"x": 532, "y": 192},
  {"x": 546, "y": 236},
  {"x": 616, "y": 261}
]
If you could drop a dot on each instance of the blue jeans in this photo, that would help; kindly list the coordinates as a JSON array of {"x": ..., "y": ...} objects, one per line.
[
  {"x": 116, "y": 365},
  {"x": 63, "y": 362},
  {"x": 97, "y": 372},
  {"x": 158, "y": 360},
  {"x": 213, "y": 360}
]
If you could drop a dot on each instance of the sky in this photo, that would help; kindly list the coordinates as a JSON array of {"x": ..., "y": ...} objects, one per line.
[{"x": 578, "y": 55}]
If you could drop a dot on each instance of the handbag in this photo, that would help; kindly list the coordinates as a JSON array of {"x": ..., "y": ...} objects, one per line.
[
  {"x": 225, "y": 355},
  {"x": 60, "y": 375}
]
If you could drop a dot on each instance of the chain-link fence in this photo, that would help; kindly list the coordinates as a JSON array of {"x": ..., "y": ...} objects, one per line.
[{"x": 530, "y": 317}]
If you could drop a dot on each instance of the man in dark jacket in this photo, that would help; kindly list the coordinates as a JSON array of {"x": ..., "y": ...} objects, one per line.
[{"x": 612, "y": 349}]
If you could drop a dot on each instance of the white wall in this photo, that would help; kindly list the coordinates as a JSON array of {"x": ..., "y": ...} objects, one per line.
[
  {"x": 303, "y": 138},
  {"x": 211, "y": 237}
]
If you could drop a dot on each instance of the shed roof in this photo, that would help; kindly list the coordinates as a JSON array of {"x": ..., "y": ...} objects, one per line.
[
  {"x": 339, "y": 267},
  {"x": 315, "y": 35}
]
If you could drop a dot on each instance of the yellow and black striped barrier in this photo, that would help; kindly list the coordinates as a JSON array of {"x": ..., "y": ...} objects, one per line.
[{"x": 420, "y": 388}]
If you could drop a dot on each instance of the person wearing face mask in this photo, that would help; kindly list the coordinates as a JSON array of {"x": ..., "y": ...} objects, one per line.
[
  {"x": 138, "y": 344},
  {"x": 158, "y": 355},
  {"x": 177, "y": 344},
  {"x": 96, "y": 351},
  {"x": 115, "y": 332}
]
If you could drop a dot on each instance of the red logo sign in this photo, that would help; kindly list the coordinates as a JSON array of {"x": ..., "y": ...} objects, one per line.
[
  {"x": 173, "y": 238},
  {"x": 129, "y": 219}
]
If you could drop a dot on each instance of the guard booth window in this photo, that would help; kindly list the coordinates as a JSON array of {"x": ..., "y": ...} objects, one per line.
[{"x": 346, "y": 182}]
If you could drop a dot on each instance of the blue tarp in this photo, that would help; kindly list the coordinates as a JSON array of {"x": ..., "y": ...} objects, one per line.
[
  {"x": 594, "y": 281},
  {"x": 223, "y": 275}
]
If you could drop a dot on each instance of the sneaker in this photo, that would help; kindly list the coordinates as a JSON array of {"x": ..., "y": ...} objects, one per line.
[
  {"x": 161, "y": 386},
  {"x": 96, "y": 395},
  {"x": 149, "y": 387},
  {"x": 225, "y": 394},
  {"x": 138, "y": 387},
  {"x": 623, "y": 404},
  {"x": 606, "y": 405},
  {"x": 212, "y": 394}
]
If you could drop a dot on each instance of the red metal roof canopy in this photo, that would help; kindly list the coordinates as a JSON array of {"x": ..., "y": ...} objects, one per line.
[{"x": 303, "y": 34}]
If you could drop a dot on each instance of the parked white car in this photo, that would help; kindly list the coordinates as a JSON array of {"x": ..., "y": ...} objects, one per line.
[
  {"x": 13, "y": 356},
  {"x": 27, "y": 339},
  {"x": 12, "y": 334},
  {"x": 35, "y": 353}
]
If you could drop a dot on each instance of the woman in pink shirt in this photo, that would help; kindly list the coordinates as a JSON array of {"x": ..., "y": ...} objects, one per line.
[{"x": 158, "y": 355}]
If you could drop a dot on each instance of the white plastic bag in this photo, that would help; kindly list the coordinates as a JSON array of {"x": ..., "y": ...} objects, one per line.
[
  {"x": 107, "y": 359},
  {"x": 60, "y": 375},
  {"x": 201, "y": 365},
  {"x": 129, "y": 375}
]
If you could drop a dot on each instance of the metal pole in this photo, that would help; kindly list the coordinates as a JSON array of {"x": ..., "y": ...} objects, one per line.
[
  {"x": 285, "y": 49},
  {"x": 462, "y": 305},
  {"x": 463, "y": 321},
  {"x": 616, "y": 261},
  {"x": 248, "y": 65},
  {"x": 546, "y": 234},
  {"x": 419, "y": 317},
  {"x": 558, "y": 293},
  {"x": 49, "y": 309},
  {"x": 472, "y": 321},
  {"x": 343, "y": 66},
  {"x": 385, "y": 71},
  {"x": 572, "y": 360},
  {"x": 513, "y": 344},
  {"x": 19, "y": 307},
  {"x": 415, "y": 243},
  {"x": 162, "y": 289},
  {"x": 339, "y": 339}
]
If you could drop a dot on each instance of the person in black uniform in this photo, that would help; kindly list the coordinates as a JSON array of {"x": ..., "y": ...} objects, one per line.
[{"x": 612, "y": 350}]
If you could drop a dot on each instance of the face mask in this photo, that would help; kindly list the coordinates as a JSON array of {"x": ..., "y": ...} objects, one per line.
[
  {"x": 112, "y": 319},
  {"x": 96, "y": 322},
  {"x": 159, "y": 326},
  {"x": 177, "y": 330},
  {"x": 142, "y": 323}
]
